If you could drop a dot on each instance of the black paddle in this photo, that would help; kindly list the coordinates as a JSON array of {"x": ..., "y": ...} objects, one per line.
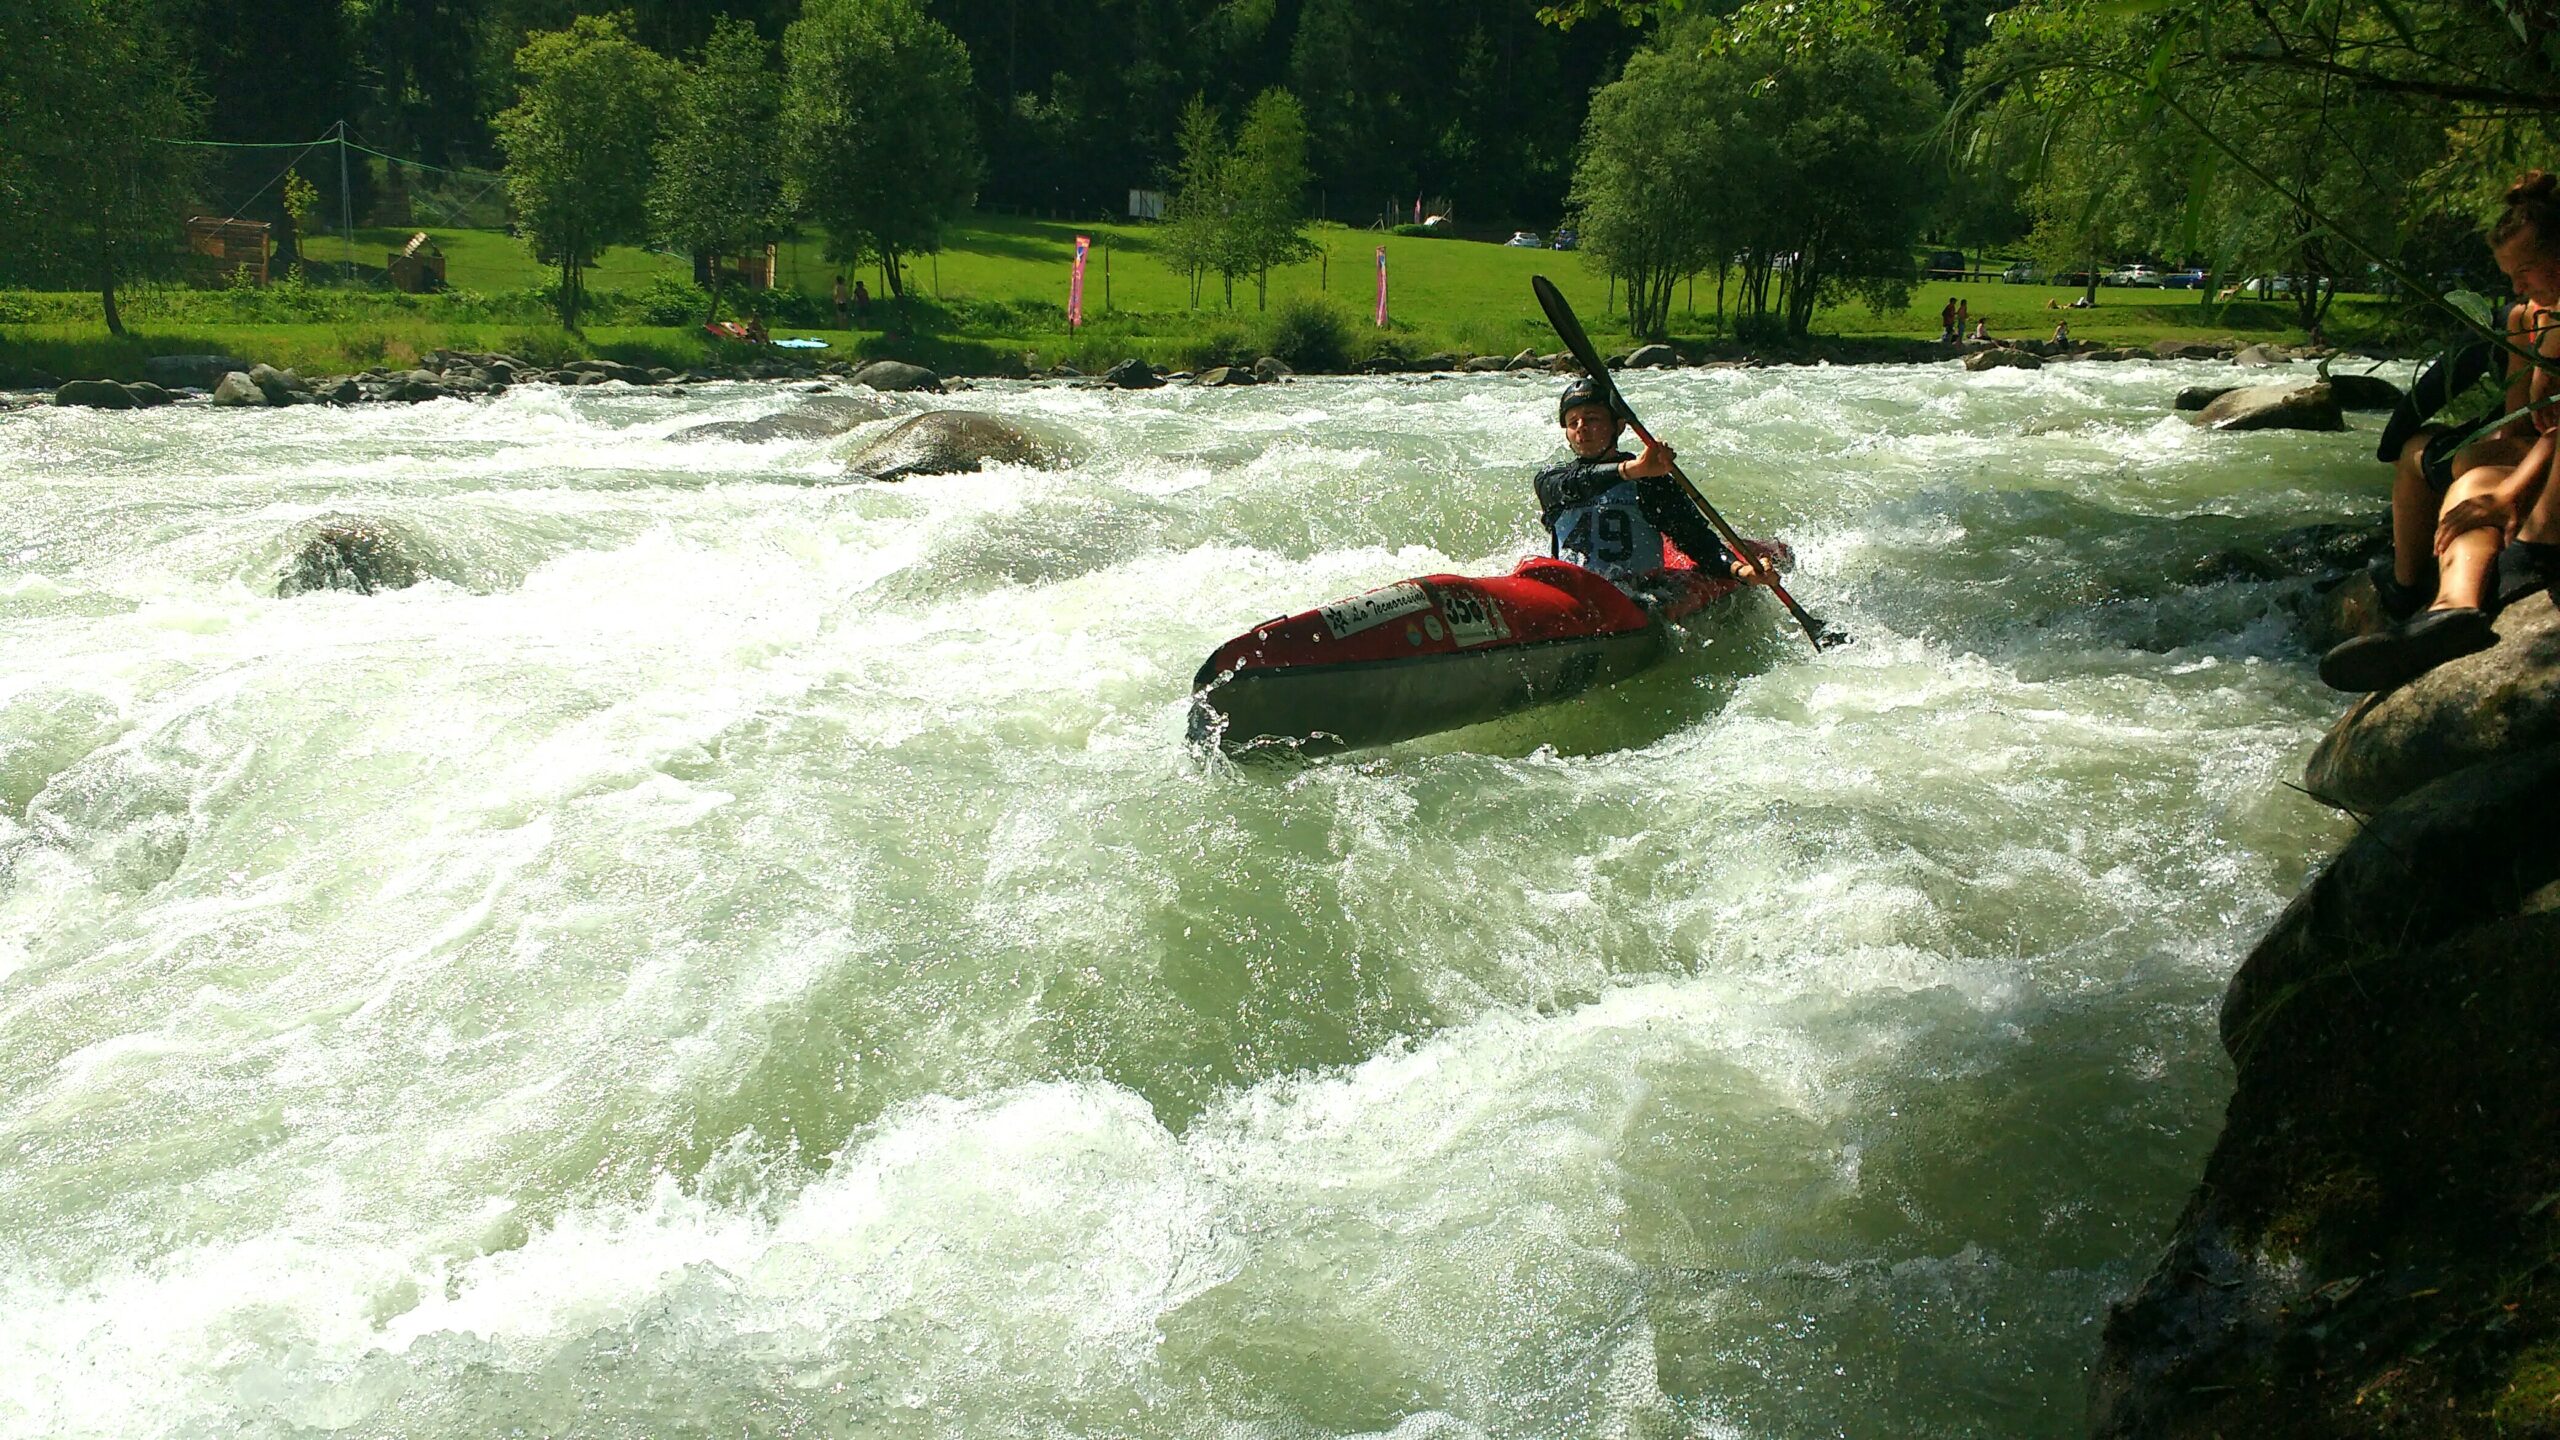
[{"x": 1561, "y": 315}]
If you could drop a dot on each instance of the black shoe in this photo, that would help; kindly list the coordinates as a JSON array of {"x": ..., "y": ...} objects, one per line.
[
  {"x": 2406, "y": 651},
  {"x": 2525, "y": 566},
  {"x": 2399, "y": 601}
]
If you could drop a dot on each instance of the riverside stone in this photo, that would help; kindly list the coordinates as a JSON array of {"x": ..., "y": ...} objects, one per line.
[
  {"x": 1653, "y": 357},
  {"x": 2364, "y": 392},
  {"x": 896, "y": 375},
  {"x": 1132, "y": 374},
  {"x": 2461, "y": 713},
  {"x": 2004, "y": 358},
  {"x": 94, "y": 395},
  {"x": 942, "y": 442},
  {"x": 191, "y": 372},
  {"x": 237, "y": 389},
  {"x": 2274, "y": 407}
]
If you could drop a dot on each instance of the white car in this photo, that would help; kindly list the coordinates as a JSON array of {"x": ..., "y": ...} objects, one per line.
[
  {"x": 2142, "y": 276},
  {"x": 1526, "y": 240}
]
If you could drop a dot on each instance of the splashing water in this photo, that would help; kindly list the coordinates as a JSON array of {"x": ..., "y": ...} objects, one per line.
[{"x": 743, "y": 952}]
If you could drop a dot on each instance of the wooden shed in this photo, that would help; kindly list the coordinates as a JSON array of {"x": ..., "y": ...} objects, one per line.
[
  {"x": 417, "y": 267},
  {"x": 234, "y": 245}
]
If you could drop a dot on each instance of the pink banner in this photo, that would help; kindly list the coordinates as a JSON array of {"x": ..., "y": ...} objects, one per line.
[
  {"x": 1382, "y": 287},
  {"x": 1075, "y": 284}
]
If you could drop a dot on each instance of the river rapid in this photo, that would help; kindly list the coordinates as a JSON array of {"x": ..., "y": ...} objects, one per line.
[{"x": 741, "y": 952}]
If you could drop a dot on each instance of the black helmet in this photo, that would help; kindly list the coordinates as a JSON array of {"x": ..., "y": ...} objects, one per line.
[{"x": 1583, "y": 391}]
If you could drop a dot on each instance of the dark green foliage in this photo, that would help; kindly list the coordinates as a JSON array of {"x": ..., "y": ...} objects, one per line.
[
  {"x": 90, "y": 194},
  {"x": 876, "y": 127},
  {"x": 718, "y": 190},
  {"x": 1311, "y": 334}
]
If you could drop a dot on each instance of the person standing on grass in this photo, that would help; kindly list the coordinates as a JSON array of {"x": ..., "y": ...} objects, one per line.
[{"x": 840, "y": 298}]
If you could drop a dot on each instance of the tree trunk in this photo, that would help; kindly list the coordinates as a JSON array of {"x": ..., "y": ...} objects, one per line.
[
  {"x": 891, "y": 273},
  {"x": 107, "y": 297}
]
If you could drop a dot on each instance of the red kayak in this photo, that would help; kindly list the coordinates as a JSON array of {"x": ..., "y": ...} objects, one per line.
[{"x": 1441, "y": 651}]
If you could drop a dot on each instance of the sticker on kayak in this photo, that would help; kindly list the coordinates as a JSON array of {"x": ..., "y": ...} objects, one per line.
[
  {"x": 1377, "y": 607},
  {"x": 1472, "y": 620}
]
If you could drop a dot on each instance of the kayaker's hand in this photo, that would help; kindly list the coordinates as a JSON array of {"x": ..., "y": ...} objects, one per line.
[
  {"x": 1748, "y": 573},
  {"x": 1656, "y": 460}
]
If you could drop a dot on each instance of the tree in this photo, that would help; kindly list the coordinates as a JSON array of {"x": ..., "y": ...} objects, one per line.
[
  {"x": 577, "y": 143},
  {"x": 717, "y": 190},
  {"x": 1195, "y": 234},
  {"x": 876, "y": 128},
  {"x": 1269, "y": 186},
  {"x": 91, "y": 193},
  {"x": 1783, "y": 139}
]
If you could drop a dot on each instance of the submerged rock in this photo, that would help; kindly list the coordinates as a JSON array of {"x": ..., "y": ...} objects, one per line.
[
  {"x": 2196, "y": 397},
  {"x": 358, "y": 555},
  {"x": 2355, "y": 1260},
  {"x": 2274, "y": 407},
  {"x": 1224, "y": 375},
  {"x": 944, "y": 442},
  {"x": 820, "y": 417},
  {"x": 2463, "y": 712},
  {"x": 896, "y": 375},
  {"x": 2003, "y": 358}
]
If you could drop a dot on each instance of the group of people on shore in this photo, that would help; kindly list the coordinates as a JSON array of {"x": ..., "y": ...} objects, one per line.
[
  {"x": 1954, "y": 318},
  {"x": 2475, "y": 521}
]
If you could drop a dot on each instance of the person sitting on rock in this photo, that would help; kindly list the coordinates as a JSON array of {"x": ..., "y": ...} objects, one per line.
[
  {"x": 2430, "y": 458},
  {"x": 1608, "y": 511},
  {"x": 2493, "y": 510}
]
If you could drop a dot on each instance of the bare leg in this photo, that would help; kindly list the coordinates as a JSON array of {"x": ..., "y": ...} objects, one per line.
[
  {"x": 2414, "y": 508},
  {"x": 2466, "y": 564}
]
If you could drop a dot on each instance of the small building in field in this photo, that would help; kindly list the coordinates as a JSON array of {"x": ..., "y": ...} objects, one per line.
[
  {"x": 235, "y": 246},
  {"x": 417, "y": 267}
]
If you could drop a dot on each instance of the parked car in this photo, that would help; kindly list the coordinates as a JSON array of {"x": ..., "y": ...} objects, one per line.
[
  {"x": 1567, "y": 240},
  {"x": 2182, "y": 280},
  {"x": 2138, "y": 276},
  {"x": 1945, "y": 265},
  {"x": 1526, "y": 239},
  {"x": 2268, "y": 287},
  {"x": 2022, "y": 273}
]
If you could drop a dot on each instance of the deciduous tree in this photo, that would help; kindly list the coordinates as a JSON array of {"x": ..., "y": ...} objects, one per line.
[
  {"x": 876, "y": 129},
  {"x": 718, "y": 190},
  {"x": 578, "y": 143}
]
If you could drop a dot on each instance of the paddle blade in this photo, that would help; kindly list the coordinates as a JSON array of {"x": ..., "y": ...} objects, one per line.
[{"x": 1569, "y": 330}]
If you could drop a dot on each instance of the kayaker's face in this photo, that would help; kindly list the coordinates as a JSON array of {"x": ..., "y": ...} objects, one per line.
[
  {"x": 1592, "y": 430},
  {"x": 2532, "y": 270}
]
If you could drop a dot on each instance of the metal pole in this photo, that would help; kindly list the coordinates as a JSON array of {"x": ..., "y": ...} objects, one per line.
[{"x": 346, "y": 203}]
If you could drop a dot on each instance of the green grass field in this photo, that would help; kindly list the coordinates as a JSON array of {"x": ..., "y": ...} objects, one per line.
[{"x": 998, "y": 293}]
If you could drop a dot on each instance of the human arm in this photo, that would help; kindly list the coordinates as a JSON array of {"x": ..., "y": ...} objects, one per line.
[{"x": 2502, "y": 505}]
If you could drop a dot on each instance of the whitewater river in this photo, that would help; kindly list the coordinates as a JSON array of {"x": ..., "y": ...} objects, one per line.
[{"x": 741, "y": 953}]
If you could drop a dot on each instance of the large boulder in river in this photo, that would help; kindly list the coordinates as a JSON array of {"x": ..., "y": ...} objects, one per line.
[
  {"x": 1653, "y": 357},
  {"x": 1132, "y": 374},
  {"x": 896, "y": 375},
  {"x": 2463, "y": 712},
  {"x": 819, "y": 417},
  {"x": 236, "y": 389},
  {"x": 281, "y": 387},
  {"x": 94, "y": 395},
  {"x": 1224, "y": 375},
  {"x": 2196, "y": 397},
  {"x": 2364, "y": 392},
  {"x": 2005, "y": 357},
  {"x": 945, "y": 442},
  {"x": 2261, "y": 355},
  {"x": 358, "y": 555},
  {"x": 2357, "y": 1258},
  {"x": 2274, "y": 407}
]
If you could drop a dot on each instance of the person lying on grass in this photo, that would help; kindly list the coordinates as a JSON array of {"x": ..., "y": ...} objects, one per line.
[{"x": 1609, "y": 511}]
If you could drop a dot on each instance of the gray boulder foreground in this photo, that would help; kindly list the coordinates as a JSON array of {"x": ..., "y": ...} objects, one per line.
[
  {"x": 236, "y": 389},
  {"x": 896, "y": 375},
  {"x": 2274, "y": 407},
  {"x": 358, "y": 555},
  {"x": 2481, "y": 707},
  {"x": 2004, "y": 358},
  {"x": 947, "y": 442},
  {"x": 94, "y": 395}
]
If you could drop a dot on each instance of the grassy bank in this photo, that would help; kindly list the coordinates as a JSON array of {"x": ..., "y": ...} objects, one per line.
[{"x": 996, "y": 297}]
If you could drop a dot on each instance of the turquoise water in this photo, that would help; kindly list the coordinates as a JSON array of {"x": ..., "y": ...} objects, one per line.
[{"x": 744, "y": 953}]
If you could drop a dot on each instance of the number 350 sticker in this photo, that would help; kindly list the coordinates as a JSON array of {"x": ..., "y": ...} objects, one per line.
[{"x": 1472, "y": 621}]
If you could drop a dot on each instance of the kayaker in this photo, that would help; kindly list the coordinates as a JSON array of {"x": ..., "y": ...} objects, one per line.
[{"x": 1609, "y": 511}]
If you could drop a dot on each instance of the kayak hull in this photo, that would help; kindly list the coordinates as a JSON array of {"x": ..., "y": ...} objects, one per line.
[{"x": 1436, "y": 653}]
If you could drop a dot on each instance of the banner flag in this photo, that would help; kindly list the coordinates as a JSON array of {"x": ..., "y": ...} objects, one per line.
[
  {"x": 1075, "y": 284},
  {"x": 1382, "y": 287}
]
